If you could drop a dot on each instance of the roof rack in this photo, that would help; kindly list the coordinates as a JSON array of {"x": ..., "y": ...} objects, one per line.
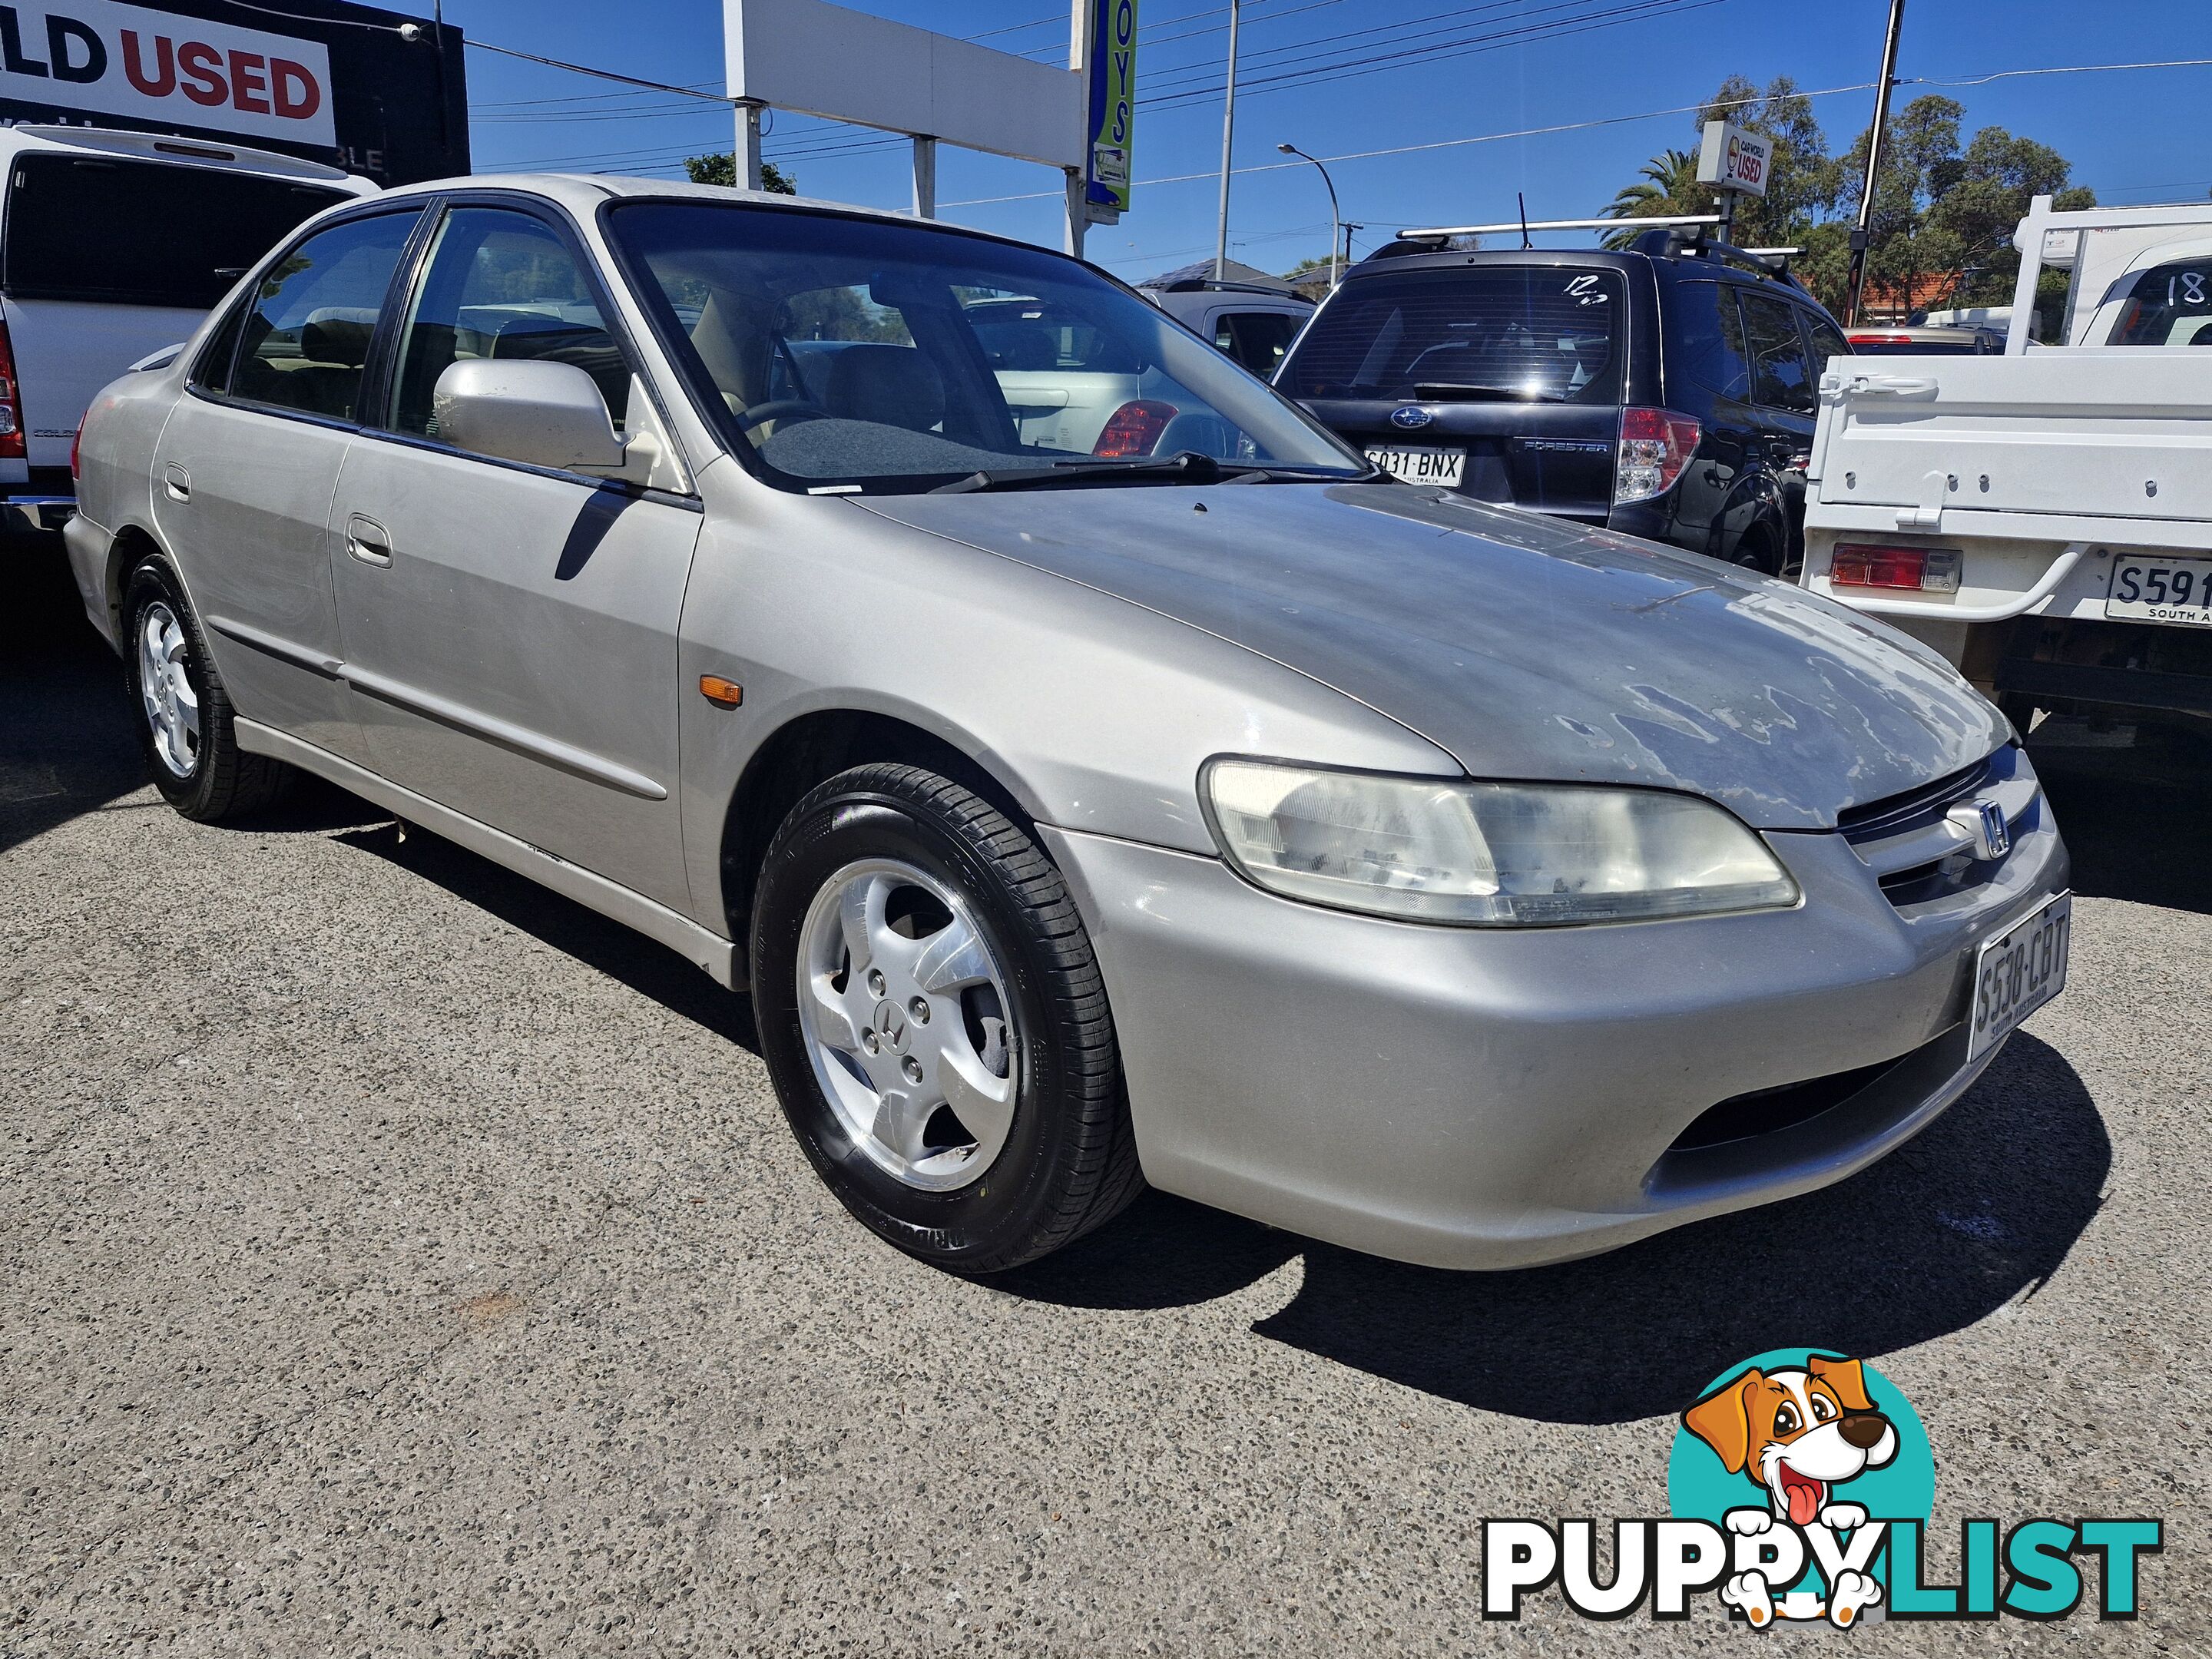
[
  {"x": 1207, "y": 285},
  {"x": 1447, "y": 233},
  {"x": 1674, "y": 243}
]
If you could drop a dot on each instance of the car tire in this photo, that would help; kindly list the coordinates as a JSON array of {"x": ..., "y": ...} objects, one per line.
[
  {"x": 185, "y": 722},
  {"x": 933, "y": 1020},
  {"x": 1759, "y": 549}
]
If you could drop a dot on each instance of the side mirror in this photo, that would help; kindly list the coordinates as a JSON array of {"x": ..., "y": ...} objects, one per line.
[{"x": 539, "y": 413}]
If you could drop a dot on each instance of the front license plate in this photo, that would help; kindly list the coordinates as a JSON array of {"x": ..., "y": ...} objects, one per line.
[
  {"x": 2019, "y": 970},
  {"x": 2161, "y": 590},
  {"x": 1420, "y": 463}
]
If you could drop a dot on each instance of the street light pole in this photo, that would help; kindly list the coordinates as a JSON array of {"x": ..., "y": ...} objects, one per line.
[
  {"x": 1335, "y": 217},
  {"x": 1855, "y": 284},
  {"x": 1228, "y": 136}
]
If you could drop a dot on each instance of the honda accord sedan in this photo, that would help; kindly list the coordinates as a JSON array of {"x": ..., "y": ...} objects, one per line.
[{"x": 1179, "y": 803}]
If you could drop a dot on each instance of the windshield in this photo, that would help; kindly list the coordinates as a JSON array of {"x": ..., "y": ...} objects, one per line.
[
  {"x": 852, "y": 352},
  {"x": 1506, "y": 333}
]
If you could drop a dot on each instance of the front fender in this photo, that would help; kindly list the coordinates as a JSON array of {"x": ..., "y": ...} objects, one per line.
[{"x": 1093, "y": 713}]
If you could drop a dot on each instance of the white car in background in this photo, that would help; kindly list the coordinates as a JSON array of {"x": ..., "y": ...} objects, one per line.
[{"x": 113, "y": 245}]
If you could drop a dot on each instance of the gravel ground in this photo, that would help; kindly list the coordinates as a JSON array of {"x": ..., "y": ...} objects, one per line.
[{"x": 395, "y": 1259}]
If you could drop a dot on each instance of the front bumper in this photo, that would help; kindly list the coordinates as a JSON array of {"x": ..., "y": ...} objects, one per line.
[{"x": 1479, "y": 1098}]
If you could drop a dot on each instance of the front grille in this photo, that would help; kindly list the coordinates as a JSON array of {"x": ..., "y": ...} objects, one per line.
[
  {"x": 1763, "y": 1111},
  {"x": 1897, "y": 814}
]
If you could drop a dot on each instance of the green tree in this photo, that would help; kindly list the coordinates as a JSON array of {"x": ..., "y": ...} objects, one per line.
[
  {"x": 1668, "y": 186},
  {"x": 722, "y": 170}
]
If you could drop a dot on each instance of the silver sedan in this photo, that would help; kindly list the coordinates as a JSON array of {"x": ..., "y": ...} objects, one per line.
[{"x": 1094, "y": 773}]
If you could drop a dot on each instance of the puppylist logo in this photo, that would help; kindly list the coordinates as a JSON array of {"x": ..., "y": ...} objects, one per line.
[{"x": 1800, "y": 1485}]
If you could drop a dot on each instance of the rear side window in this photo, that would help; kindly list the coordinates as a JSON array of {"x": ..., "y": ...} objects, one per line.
[
  {"x": 305, "y": 343},
  {"x": 1708, "y": 345},
  {"x": 2171, "y": 305},
  {"x": 140, "y": 233},
  {"x": 1781, "y": 377},
  {"x": 1828, "y": 342},
  {"x": 1501, "y": 333},
  {"x": 1256, "y": 339}
]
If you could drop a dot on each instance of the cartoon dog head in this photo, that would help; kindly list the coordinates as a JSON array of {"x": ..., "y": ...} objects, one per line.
[{"x": 1799, "y": 1434}]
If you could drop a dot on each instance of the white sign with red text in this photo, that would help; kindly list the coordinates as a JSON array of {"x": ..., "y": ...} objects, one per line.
[
  {"x": 155, "y": 66},
  {"x": 1732, "y": 159}
]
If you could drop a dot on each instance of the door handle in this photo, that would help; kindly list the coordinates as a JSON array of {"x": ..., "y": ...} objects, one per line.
[
  {"x": 177, "y": 483},
  {"x": 368, "y": 541}
]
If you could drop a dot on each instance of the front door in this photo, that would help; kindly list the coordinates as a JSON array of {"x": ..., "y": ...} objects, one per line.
[
  {"x": 510, "y": 633},
  {"x": 246, "y": 467}
]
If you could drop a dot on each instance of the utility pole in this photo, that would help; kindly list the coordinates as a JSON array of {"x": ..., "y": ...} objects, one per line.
[
  {"x": 1228, "y": 138},
  {"x": 1856, "y": 284}
]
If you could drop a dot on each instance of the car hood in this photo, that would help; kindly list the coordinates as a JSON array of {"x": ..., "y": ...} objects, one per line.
[{"x": 1525, "y": 646}]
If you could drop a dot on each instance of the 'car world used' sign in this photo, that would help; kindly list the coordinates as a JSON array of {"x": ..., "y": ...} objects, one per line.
[
  {"x": 1732, "y": 159},
  {"x": 159, "y": 67}
]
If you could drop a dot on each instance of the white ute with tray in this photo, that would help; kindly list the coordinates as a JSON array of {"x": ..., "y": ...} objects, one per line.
[{"x": 2043, "y": 518}]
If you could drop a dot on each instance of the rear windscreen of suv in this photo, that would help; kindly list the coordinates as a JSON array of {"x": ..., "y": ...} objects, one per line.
[
  {"x": 140, "y": 232},
  {"x": 1502, "y": 333}
]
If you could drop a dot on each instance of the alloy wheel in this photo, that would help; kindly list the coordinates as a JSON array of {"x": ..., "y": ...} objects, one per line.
[
  {"x": 909, "y": 1023},
  {"x": 165, "y": 689}
]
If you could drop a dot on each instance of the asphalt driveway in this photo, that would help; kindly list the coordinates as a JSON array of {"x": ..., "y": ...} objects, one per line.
[{"x": 397, "y": 1259}]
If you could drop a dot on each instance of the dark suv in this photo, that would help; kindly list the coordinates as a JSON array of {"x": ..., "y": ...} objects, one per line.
[{"x": 1668, "y": 392}]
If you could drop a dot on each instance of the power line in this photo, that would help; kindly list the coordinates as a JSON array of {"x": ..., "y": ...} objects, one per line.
[
  {"x": 1612, "y": 121},
  {"x": 1559, "y": 28}
]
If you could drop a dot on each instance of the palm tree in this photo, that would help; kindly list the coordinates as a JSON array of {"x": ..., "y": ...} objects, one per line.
[{"x": 1667, "y": 185}]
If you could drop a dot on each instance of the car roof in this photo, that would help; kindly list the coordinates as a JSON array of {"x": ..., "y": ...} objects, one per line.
[
  {"x": 166, "y": 150},
  {"x": 582, "y": 193},
  {"x": 1403, "y": 256}
]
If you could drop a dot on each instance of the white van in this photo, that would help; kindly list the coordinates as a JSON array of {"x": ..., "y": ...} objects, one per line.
[{"x": 112, "y": 245}]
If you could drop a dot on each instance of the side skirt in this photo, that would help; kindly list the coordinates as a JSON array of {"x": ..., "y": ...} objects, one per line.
[{"x": 717, "y": 955}]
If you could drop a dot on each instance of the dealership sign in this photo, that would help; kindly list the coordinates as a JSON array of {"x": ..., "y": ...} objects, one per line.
[
  {"x": 1732, "y": 159},
  {"x": 163, "y": 69},
  {"x": 1113, "y": 108}
]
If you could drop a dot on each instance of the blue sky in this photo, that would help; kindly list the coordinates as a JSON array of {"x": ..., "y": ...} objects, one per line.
[{"x": 2135, "y": 136}]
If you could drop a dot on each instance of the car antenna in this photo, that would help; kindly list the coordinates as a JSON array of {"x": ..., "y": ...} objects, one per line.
[{"x": 1523, "y": 201}]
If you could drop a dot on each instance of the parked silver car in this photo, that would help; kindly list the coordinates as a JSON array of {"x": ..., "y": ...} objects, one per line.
[{"x": 1445, "y": 881}]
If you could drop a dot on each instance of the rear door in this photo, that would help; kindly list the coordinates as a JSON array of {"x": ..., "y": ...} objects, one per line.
[
  {"x": 245, "y": 470},
  {"x": 1784, "y": 383},
  {"x": 106, "y": 261},
  {"x": 1504, "y": 382}
]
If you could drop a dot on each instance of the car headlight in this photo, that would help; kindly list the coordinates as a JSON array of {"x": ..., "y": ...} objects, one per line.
[{"x": 1487, "y": 855}]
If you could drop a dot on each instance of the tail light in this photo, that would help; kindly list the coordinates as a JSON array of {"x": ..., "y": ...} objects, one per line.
[
  {"x": 11, "y": 403},
  {"x": 1922, "y": 569},
  {"x": 1655, "y": 445},
  {"x": 1135, "y": 429},
  {"x": 76, "y": 452},
  {"x": 1881, "y": 339}
]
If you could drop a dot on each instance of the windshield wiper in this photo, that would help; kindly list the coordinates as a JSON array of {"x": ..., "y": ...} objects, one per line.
[
  {"x": 1186, "y": 466},
  {"x": 1449, "y": 391}
]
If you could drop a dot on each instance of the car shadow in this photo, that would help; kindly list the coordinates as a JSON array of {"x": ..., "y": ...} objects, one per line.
[
  {"x": 1971, "y": 1217},
  {"x": 67, "y": 743},
  {"x": 2133, "y": 818},
  {"x": 646, "y": 967}
]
